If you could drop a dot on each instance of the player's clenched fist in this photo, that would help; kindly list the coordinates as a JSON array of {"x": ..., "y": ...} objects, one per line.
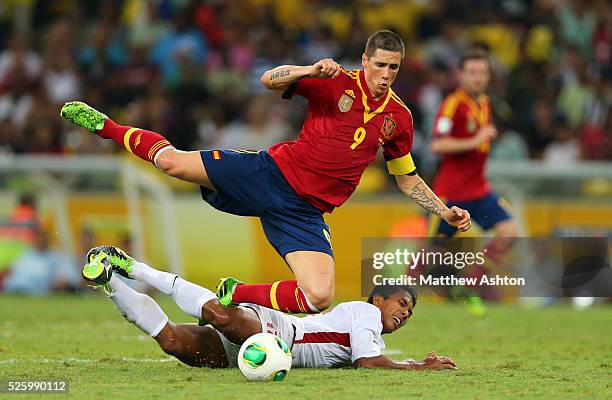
[
  {"x": 325, "y": 68},
  {"x": 486, "y": 134},
  {"x": 458, "y": 218}
]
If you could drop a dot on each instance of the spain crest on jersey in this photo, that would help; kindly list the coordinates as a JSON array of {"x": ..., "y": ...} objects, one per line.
[
  {"x": 471, "y": 125},
  {"x": 345, "y": 103},
  {"x": 388, "y": 127}
]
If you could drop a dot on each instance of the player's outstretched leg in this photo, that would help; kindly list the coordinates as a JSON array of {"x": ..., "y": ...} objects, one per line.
[
  {"x": 144, "y": 144},
  {"x": 188, "y": 296},
  {"x": 137, "y": 308},
  {"x": 148, "y": 145},
  {"x": 197, "y": 346},
  {"x": 236, "y": 324}
]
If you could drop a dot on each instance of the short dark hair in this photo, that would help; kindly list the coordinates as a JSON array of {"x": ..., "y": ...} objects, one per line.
[
  {"x": 388, "y": 290},
  {"x": 474, "y": 54},
  {"x": 385, "y": 40},
  {"x": 27, "y": 199}
]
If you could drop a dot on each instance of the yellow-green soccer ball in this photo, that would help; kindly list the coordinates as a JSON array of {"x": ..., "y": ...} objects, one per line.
[{"x": 264, "y": 357}]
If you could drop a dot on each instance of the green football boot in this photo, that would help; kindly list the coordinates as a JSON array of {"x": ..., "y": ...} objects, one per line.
[
  {"x": 475, "y": 306},
  {"x": 98, "y": 272},
  {"x": 225, "y": 291},
  {"x": 83, "y": 115},
  {"x": 119, "y": 260},
  {"x": 471, "y": 300}
]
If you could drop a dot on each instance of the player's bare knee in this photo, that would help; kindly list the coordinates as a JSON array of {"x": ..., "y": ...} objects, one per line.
[
  {"x": 220, "y": 319},
  {"x": 169, "y": 162},
  {"x": 171, "y": 347},
  {"x": 322, "y": 303},
  {"x": 169, "y": 341},
  {"x": 506, "y": 230},
  {"x": 320, "y": 297}
]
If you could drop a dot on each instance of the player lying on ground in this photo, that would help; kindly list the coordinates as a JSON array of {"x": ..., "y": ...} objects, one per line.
[
  {"x": 350, "y": 334},
  {"x": 351, "y": 114}
]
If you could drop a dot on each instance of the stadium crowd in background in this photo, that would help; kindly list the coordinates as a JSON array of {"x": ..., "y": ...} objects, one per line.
[
  {"x": 191, "y": 68},
  {"x": 29, "y": 263}
]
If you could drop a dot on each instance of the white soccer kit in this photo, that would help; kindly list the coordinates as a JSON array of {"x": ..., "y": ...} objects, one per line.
[{"x": 336, "y": 338}]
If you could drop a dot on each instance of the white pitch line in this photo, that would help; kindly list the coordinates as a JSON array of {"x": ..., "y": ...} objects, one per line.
[
  {"x": 391, "y": 352},
  {"x": 150, "y": 360},
  {"x": 85, "y": 360}
]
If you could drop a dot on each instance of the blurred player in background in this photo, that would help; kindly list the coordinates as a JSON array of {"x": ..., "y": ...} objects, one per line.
[
  {"x": 462, "y": 135},
  {"x": 348, "y": 335},
  {"x": 463, "y": 131},
  {"x": 351, "y": 114}
]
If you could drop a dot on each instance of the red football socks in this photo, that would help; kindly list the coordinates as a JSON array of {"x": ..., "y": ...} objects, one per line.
[
  {"x": 497, "y": 248},
  {"x": 284, "y": 296},
  {"x": 144, "y": 144}
]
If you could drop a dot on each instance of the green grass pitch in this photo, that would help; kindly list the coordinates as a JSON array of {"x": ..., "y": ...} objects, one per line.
[{"x": 515, "y": 352}]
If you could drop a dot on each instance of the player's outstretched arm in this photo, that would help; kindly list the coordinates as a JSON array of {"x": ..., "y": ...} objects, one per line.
[
  {"x": 415, "y": 188},
  {"x": 281, "y": 77},
  {"x": 430, "y": 362},
  {"x": 450, "y": 144}
]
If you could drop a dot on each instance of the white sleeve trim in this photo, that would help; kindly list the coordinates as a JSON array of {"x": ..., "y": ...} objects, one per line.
[{"x": 444, "y": 126}]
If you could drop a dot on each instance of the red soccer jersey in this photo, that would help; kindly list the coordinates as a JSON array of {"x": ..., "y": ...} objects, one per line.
[
  {"x": 461, "y": 176},
  {"x": 341, "y": 136}
]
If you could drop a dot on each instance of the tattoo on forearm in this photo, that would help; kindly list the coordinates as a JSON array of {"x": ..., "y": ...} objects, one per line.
[
  {"x": 279, "y": 74},
  {"x": 424, "y": 198}
]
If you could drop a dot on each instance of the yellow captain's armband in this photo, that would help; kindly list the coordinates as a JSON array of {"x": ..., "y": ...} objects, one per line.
[{"x": 401, "y": 166}]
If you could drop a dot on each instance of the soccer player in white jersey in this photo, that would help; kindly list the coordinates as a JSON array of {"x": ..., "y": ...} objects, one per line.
[{"x": 348, "y": 335}]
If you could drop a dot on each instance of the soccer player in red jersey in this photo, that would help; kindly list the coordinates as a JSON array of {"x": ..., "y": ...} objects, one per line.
[
  {"x": 351, "y": 114},
  {"x": 463, "y": 131}
]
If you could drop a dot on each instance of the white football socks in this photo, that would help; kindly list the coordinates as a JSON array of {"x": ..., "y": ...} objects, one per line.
[
  {"x": 160, "y": 280},
  {"x": 191, "y": 297},
  {"x": 188, "y": 296},
  {"x": 137, "y": 308}
]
